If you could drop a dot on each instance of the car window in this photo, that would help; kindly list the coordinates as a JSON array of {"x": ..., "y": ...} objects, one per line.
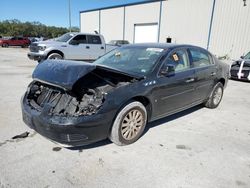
[
  {"x": 247, "y": 56},
  {"x": 20, "y": 38},
  {"x": 65, "y": 37},
  {"x": 199, "y": 58},
  {"x": 80, "y": 39},
  {"x": 179, "y": 59},
  {"x": 140, "y": 60},
  {"x": 92, "y": 39}
]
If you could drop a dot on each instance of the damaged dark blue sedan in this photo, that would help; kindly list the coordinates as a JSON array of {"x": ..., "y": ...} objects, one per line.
[{"x": 77, "y": 103}]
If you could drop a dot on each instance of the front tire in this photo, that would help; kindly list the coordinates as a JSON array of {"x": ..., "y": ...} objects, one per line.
[
  {"x": 215, "y": 96},
  {"x": 129, "y": 124},
  {"x": 55, "y": 56}
]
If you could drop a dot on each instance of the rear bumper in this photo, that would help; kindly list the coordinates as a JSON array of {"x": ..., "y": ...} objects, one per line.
[
  {"x": 36, "y": 56},
  {"x": 71, "y": 131}
]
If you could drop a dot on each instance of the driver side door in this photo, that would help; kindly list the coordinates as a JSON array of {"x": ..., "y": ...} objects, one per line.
[{"x": 77, "y": 49}]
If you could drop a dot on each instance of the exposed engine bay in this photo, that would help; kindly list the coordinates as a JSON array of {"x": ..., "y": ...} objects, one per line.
[{"x": 86, "y": 97}]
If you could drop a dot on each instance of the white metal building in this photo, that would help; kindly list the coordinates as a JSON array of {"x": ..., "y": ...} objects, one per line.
[{"x": 222, "y": 26}]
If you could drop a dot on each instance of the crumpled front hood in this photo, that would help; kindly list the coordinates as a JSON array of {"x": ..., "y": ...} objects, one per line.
[
  {"x": 61, "y": 73},
  {"x": 65, "y": 73}
]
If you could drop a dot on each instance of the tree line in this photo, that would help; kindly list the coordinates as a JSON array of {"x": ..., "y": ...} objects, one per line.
[{"x": 31, "y": 29}]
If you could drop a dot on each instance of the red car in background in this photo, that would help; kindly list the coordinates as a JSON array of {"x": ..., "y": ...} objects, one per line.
[{"x": 15, "y": 41}]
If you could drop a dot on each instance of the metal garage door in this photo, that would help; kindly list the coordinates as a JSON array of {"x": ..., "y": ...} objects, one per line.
[{"x": 145, "y": 33}]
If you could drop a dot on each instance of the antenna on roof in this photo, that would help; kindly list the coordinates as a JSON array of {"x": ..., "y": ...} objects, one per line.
[{"x": 96, "y": 32}]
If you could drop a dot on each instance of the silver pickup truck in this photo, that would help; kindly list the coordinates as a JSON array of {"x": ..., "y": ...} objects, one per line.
[{"x": 73, "y": 46}]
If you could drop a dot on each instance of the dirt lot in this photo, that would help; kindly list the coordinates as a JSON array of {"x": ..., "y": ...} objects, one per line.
[{"x": 196, "y": 148}]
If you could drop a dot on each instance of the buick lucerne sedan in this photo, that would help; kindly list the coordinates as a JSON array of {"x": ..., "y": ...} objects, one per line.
[{"x": 77, "y": 103}]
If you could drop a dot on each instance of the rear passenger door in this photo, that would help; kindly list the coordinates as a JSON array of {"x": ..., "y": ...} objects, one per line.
[
  {"x": 205, "y": 72},
  {"x": 95, "y": 46}
]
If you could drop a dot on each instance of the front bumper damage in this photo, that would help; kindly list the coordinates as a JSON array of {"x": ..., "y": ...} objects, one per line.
[
  {"x": 67, "y": 130},
  {"x": 70, "y": 102}
]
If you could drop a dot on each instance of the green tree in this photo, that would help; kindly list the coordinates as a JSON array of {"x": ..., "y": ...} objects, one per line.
[{"x": 31, "y": 29}]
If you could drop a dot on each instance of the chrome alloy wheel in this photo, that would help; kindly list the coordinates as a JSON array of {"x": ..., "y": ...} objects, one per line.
[
  {"x": 217, "y": 96},
  {"x": 132, "y": 124}
]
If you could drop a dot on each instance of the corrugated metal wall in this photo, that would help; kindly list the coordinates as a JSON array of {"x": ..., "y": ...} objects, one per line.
[
  {"x": 186, "y": 21},
  {"x": 231, "y": 28},
  {"x": 145, "y": 13},
  {"x": 112, "y": 24},
  {"x": 89, "y": 22}
]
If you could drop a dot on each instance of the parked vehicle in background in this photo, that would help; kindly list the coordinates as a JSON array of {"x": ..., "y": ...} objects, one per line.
[
  {"x": 72, "y": 46},
  {"x": 77, "y": 103},
  {"x": 240, "y": 69},
  {"x": 15, "y": 41},
  {"x": 118, "y": 42},
  {"x": 36, "y": 39}
]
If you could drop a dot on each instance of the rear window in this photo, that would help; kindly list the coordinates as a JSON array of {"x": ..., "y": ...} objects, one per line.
[{"x": 92, "y": 39}]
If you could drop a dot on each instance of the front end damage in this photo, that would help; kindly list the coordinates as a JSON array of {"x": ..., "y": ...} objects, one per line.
[
  {"x": 70, "y": 104},
  {"x": 64, "y": 103}
]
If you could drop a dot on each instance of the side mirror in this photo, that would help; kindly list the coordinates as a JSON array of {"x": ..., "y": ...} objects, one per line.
[
  {"x": 242, "y": 57},
  {"x": 74, "y": 42},
  {"x": 168, "y": 70}
]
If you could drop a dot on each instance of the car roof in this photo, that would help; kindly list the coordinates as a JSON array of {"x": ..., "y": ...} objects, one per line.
[
  {"x": 162, "y": 45},
  {"x": 80, "y": 33}
]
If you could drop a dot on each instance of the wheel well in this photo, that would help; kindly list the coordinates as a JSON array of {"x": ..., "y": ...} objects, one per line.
[
  {"x": 222, "y": 80},
  {"x": 146, "y": 102},
  {"x": 55, "y": 51}
]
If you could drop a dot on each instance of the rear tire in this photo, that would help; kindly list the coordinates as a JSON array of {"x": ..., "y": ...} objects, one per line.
[
  {"x": 129, "y": 124},
  {"x": 55, "y": 56},
  {"x": 5, "y": 45},
  {"x": 215, "y": 96}
]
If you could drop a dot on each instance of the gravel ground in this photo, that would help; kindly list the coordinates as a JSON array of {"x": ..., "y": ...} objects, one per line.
[{"x": 199, "y": 147}]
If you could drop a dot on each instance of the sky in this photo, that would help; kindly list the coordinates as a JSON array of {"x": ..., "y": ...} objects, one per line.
[{"x": 52, "y": 12}]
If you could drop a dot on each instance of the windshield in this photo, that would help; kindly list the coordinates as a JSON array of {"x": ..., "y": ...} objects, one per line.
[
  {"x": 139, "y": 60},
  {"x": 65, "y": 37},
  {"x": 247, "y": 56}
]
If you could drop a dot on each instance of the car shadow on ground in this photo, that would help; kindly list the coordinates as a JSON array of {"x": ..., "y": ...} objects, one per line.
[
  {"x": 148, "y": 127},
  {"x": 237, "y": 80},
  {"x": 171, "y": 118}
]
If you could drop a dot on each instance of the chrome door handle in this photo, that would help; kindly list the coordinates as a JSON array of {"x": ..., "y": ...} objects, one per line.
[{"x": 189, "y": 80}]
